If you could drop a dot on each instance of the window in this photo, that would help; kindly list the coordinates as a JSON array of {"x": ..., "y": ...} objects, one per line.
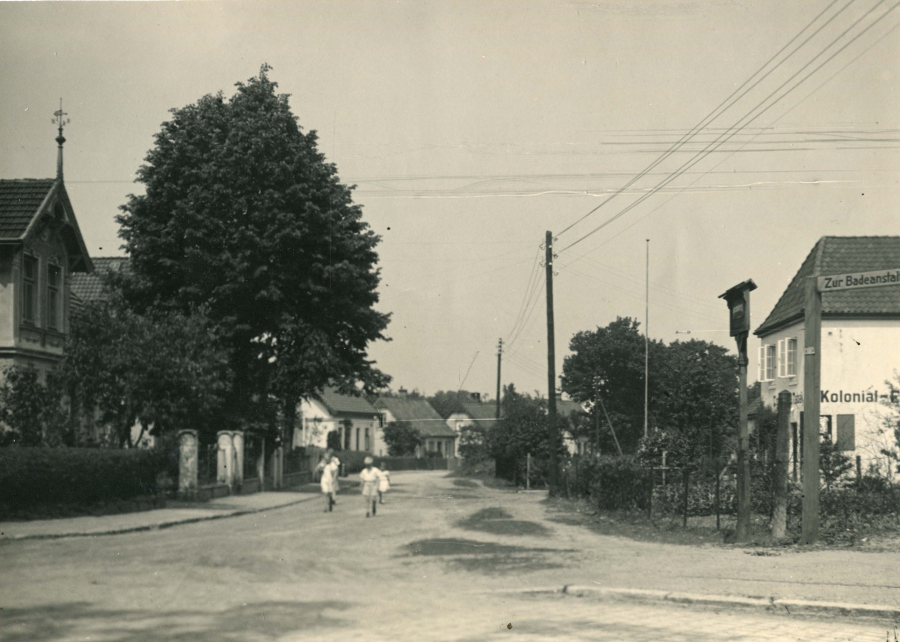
[
  {"x": 368, "y": 445},
  {"x": 766, "y": 370},
  {"x": 29, "y": 291},
  {"x": 787, "y": 357},
  {"x": 54, "y": 317},
  {"x": 846, "y": 432},
  {"x": 357, "y": 438}
]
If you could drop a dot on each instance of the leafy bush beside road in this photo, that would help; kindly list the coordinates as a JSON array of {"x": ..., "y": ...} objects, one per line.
[{"x": 39, "y": 477}]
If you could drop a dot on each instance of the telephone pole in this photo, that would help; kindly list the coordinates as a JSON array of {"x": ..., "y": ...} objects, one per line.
[
  {"x": 499, "y": 358},
  {"x": 551, "y": 367},
  {"x": 647, "y": 343}
]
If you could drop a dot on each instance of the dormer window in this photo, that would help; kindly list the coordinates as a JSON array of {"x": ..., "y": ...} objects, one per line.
[
  {"x": 29, "y": 289},
  {"x": 54, "y": 307}
]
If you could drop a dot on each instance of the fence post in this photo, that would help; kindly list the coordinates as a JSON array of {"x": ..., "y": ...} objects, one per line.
[
  {"x": 528, "y": 471},
  {"x": 261, "y": 464},
  {"x": 718, "y": 473},
  {"x": 650, "y": 495},
  {"x": 188, "y": 444},
  {"x": 237, "y": 467},
  {"x": 859, "y": 471},
  {"x": 782, "y": 466},
  {"x": 224, "y": 459},
  {"x": 686, "y": 474}
]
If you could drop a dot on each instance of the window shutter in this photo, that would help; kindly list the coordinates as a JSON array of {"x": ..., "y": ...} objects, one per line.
[
  {"x": 761, "y": 364},
  {"x": 846, "y": 432},
  {"x": 782, "y": 358}
]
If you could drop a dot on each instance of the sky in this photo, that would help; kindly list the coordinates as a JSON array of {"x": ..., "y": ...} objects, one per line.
[{"x": 472, "y": 128}]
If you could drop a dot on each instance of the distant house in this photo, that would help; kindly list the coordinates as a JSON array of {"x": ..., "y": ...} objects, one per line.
[
  {"x": 438, "y": 437},
  {"x": 356, "y": 420},
  {"x": 89, "y": 287},
  {"x": 41, "y": 248},
  {"x": 860, "y": 334},
  {"x": 471, "y": 413}
]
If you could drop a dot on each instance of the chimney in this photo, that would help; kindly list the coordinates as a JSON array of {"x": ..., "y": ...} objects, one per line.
[
  {"x": 403, "y": 393},
  {"x": 476, "y": 396}
]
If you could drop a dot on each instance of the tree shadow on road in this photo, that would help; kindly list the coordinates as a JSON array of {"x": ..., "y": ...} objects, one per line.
[
  {"x": 498, "y": 521},
  {"x": 488, "y": 557},
  {"x": 82, "y": 620}
]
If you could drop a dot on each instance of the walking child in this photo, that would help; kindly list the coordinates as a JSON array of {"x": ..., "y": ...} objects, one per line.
[
  {"x": 328, "y": 468},
  {"x": 370, "y": 477},
  {"x": 384, "y": 482}
]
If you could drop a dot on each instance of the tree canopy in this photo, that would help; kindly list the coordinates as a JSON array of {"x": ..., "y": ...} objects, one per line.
[{"x": 243, "y": 217}]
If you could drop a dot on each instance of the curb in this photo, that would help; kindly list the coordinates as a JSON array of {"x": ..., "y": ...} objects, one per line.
[
  {"x": 154, "y": 527},
  {"x": 768, "y": 604}
]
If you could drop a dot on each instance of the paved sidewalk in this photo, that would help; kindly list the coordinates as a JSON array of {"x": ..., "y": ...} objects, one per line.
[{"x": 152, "y": 519}]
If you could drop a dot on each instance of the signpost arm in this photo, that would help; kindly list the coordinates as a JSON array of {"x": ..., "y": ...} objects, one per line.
[{"x": 812, "y": 365}]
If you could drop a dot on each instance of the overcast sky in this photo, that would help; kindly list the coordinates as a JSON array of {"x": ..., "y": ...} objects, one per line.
[{"x": 470, "y": 128}]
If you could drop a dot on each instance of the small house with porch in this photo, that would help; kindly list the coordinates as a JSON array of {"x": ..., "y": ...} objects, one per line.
[
  {"x": 437, "y": 437},
  {"x": 355, "y": 419}
]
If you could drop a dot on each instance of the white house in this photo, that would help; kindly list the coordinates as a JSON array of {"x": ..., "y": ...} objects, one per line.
[
  {"x": 356, "y": 420},
  {"x": 421, "y": 415},
  {"x": 860, "y": 347}
]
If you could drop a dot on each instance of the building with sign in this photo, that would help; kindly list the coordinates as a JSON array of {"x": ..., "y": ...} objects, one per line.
[{"x": 860, "y": 352}]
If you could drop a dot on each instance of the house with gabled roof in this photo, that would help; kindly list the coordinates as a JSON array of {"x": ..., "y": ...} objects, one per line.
[
  {"x": 354, "y": 417},
  {"x": 860, "y": 335},
  {"x": 471, "y": 413},
  {"x": 41, "y": 249},
  {"x": 437, "y": 436}
]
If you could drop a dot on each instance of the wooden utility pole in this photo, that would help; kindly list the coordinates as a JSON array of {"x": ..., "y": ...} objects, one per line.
[
  {"x": 738, "y": 299},
  {"x": 551, "y": 367},
  {"x": 499, "y": 358},
  {"x": 782, "y": 465},
  {"x": 812, "y": 364}
]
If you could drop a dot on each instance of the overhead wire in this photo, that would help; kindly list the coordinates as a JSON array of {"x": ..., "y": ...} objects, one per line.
[
  {"x": 737, "y": 127},
  {"x": 715, "y": 113}
]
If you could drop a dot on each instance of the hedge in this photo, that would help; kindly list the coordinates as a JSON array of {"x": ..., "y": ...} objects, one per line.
[{"x": 33, "y": 477}]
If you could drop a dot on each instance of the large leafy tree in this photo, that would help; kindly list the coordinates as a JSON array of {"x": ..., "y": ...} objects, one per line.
[
  {"x": 161, "y": 371},
  {"x": 607, "y": 365},
  {"x": 402, "y": 438},
  {"x": 243, "y": 216}
]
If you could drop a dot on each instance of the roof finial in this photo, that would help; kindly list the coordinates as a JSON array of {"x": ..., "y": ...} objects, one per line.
[{"x": 60, "y": 120}]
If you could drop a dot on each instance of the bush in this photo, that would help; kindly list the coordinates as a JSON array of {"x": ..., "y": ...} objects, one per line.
[
  {"x": 36, "y": 477},
  {"x": 618, "y": 483}
]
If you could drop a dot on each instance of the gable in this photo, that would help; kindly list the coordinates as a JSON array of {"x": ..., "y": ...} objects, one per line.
[{"x": 840, "y": 255}]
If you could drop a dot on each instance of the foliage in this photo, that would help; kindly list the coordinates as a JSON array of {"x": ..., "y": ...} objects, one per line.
[
  {"x": 833, "y": 463},
  {"x": 608, "y": 364},
  {"x": 333, "y": 440},
  {"x": 892, "y": 421},
  {"x": 162, "y": 370},
  {"x": 32, "y": 411},
  {"x": 618, "y": 483},
  {"x": 31, "y": 477},
  {"x": 473, "y": 443},
  {"x": 401, "y": 438},
  {"x": 243, "y": 218},
  {"x": 522, "y": 429}
]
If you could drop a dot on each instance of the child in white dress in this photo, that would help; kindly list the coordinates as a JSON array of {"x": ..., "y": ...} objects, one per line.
[
  {"x": 328, "y": 468},
  {"x": 384, "y": 483},
  {"x": 370, "y": 477}
]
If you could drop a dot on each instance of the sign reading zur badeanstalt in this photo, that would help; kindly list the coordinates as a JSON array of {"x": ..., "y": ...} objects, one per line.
[{"x": 859, "y": 280}]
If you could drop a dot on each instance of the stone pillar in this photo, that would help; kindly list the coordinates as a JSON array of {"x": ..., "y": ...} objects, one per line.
[
  {"x": 237, "y": 443},
  {"x": 225, "y": 473},
  {"x": 277, "y": 468},
  {"x": 188, "y": 444}
]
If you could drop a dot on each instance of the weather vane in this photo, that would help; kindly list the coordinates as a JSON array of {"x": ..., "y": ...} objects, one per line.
[{"x": 60, "y": 120}]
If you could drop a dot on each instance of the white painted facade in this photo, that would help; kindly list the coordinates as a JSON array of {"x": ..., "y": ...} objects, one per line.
[
  {"x": 859, "y": 358},
  {"x": 362, "y": 433}
]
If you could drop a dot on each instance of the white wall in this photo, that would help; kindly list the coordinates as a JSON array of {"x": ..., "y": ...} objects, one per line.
[
  {"x": 315, "y": 422},
  {"x": 858, "y": 358}
]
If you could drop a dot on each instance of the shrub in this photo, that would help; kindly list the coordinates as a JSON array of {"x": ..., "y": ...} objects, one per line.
[
  {"x": 618, "y": 483},
  {"x": 35, "y": 477}
]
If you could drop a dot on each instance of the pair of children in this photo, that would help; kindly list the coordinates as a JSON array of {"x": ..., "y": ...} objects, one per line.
[
  {"x": 375, "y": 483},
  {"x": 329, "y": 469}
]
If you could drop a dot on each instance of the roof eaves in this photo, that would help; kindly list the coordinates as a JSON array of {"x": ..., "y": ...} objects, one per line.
[{"x": 43, "y": 206}]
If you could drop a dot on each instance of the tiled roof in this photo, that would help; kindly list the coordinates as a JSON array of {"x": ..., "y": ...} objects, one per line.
[
  {"x": 341, "y": 404},
  {"x": 89, "y": 286},
  {"x": 565, "y": 407},
  {"x": 417, "y": 412},
  {"x": 20, "y": 201},
  {"x": 483, "y": 413},
  {"x": 839, "y": 255}
]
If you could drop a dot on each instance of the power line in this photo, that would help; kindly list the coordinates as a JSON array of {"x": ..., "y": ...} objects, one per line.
[
  {"x": 715, "y": 113},
  {"x": 702, "y": 174},
  {"x": 713, "y": 146}
]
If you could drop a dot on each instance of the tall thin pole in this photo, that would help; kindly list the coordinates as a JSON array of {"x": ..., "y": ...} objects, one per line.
[
  {"x": 812, "y": 363},
  {"x": 499, "y": 358},
  {"x": 647, "y": 343},
  {"x": 551, "y": 366}
]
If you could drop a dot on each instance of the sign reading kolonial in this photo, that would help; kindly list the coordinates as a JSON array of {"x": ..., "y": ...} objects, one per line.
[{"x": 859, "y": 280}]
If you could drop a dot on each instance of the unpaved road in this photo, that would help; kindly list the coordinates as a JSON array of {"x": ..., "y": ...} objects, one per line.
[{"x": 433, "y": 565}]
